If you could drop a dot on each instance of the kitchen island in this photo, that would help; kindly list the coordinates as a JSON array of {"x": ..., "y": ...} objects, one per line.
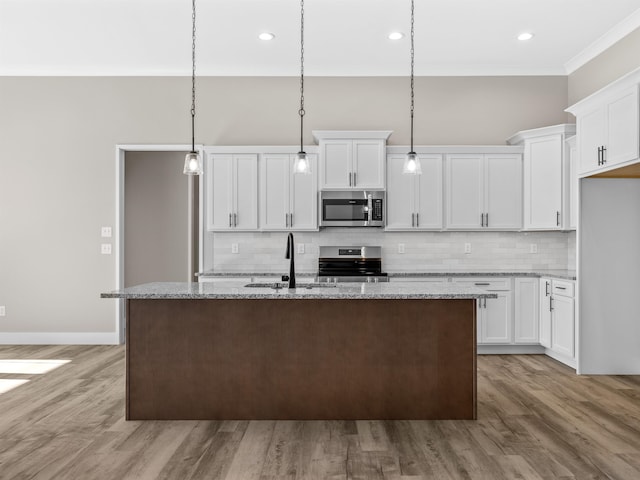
[{"x": 348, "y": 351}]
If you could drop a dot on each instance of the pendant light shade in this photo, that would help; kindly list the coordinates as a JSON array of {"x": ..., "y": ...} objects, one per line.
[
  {"x": 193, "y": 161},
  {"x": 412, "y": 160},
  {"x": 301, "y": 165},
  {"x": 411, "y": 164}
]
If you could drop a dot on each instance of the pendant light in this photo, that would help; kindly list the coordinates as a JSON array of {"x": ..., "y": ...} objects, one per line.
[
  {"x": 411, "y": 164},
  {"x": 301, "y": 165},
  {"x": 193, "y": 161}
]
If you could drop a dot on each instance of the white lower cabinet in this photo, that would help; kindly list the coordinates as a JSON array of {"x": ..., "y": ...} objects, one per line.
[
  {"x": 545, "y": 312},
  {"x": 526, "y": 311},
  {"x": 557, "y": 319},
  {"x": 563, "y": 319},
  {"x": 494, "y": 315},
  {"x": 494, "y": 319}
]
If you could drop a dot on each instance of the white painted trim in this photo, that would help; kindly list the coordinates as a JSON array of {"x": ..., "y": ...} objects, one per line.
[
  {"x": 455, "y": 149},
  {"x": 257, "y": 150},
  {"x": 612, "y": 36},
  {"x": 564, "y": 128},
  {"x": 610, "y": 90},
  {"x": 59, "y": 338},
  {"x": 351, "y": 134},
  {"x": 510, "y": 350},
  {"x": 121, "y": 150},
  {"x": 570, "y": 362}
]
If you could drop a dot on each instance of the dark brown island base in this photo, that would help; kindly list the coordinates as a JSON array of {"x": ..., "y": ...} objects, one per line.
[{"x": 356, "y": 351}]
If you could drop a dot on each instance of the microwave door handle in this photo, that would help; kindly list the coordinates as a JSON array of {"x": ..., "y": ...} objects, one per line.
[{"x": 369, "y": 208}]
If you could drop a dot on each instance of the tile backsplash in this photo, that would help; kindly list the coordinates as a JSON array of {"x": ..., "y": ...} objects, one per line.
[{"x": 424, "y": 251}]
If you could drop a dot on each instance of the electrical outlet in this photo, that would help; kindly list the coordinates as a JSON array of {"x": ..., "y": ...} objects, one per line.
[
  {"x": 105, "y": 249},
  {"x": 467, "y": 248},
  {"x": 234, "y": 248},
  {"x": 533, "y": 248},
  {"x": 105, "y": 232},
  {"x": 301, "y": 248},
  {"x": 401, "y": 248},
  {"x": 3, "y": 312}
]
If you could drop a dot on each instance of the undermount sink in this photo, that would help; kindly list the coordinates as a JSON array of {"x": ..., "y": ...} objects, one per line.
[{"x": 277, "y": 285}]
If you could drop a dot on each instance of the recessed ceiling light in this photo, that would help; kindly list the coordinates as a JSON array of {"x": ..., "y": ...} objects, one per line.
[
  {"x": 266, "y": 36},
  {"x": 525, "y": 36},
  {"x": 396, "y": 35}
]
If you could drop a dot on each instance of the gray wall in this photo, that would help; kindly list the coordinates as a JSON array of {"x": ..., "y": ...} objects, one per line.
[
  {"x": 57, "y": 158},
  {"x": 621, "y": 58},
  {"x": 156, "y": 218}
]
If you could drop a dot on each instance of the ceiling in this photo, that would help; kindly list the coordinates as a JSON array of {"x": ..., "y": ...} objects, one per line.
[{"x": 342, "y": 37}]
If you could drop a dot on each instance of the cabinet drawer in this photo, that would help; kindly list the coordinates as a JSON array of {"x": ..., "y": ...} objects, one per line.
[
  {"x": 486, "y": 283},
  {"x": 562, "y": 288}
]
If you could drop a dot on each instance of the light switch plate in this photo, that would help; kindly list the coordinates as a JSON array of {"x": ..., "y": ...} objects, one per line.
[
  {"x": 105, "y": 249},
  {"x": 234, "y": 248},
  {"x": 301, "y": 248},
  {"x": 3, "y": 312},
  {"x": 533, "y": 248},
  {"x": 105, "y": 232},
  {"x": 467, "y": 248},
  {"x": 401, "y": 248}
]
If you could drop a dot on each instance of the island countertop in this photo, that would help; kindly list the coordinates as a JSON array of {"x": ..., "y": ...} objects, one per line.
[{"x": 238, "y": 290}]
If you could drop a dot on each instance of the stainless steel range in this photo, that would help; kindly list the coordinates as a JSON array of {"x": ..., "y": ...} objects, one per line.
[{"x": 351, "y": 264}]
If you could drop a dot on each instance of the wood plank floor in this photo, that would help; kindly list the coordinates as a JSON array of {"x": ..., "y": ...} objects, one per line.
[{"x": 537, "y": 420}]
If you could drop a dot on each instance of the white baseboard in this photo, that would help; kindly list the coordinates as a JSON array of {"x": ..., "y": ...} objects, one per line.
[
  {"x": 510, "y": 349},
  {"x": 570, "y": 362},
  {"x": 58, "y": 338}
]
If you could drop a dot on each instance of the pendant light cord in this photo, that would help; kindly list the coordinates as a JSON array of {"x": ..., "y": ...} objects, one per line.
[
  {"x": 301, "y": 112},
  {"x": 412, "y": 61},
  {"x": 193, "y": 77}
]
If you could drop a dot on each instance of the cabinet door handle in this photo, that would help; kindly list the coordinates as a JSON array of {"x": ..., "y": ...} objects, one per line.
[
  {"x": 558, "y": 219},
  {"x": 286, "y": 219},
  {"x": 354, "y": 179},
  {"x": 486, "y": 221},
  {"x": 482, "y": 219},
  {"x": 604, "y": 155},
  {"x": 417, "y": 219},
  {"x": 230, "y": 224},
  {"x": 350, "y": 181},
  {"x": 485, "y": 302},
  {"x": 291, "y": 219},
  {"x": 546, "y": 289},
  {"x": 413, "y": 219},
  {"x": 550, "y": 304},
  {"x": 599, "y": 155}
]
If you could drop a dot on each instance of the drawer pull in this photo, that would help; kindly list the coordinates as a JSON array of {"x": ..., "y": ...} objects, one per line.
[
  {"x": 561, "y": 288},
  {"x": 483, "y": 284}
]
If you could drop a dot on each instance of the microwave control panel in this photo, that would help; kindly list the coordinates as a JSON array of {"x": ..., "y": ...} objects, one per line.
[{"x": 377, "y": 209}]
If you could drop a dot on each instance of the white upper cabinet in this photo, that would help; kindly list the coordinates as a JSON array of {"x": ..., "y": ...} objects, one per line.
[
  {"x": 483, "y": 191},
  {"x": 288, "y": 201},
  {"x": 414, "y": 202},
  {"x": 609, "y": 126},
  {"x": 465, "y": 191},
  {"x": 352, "y": 160},
  {"x": 546, "y": 176},
  {"x": 231, "y": 192}
]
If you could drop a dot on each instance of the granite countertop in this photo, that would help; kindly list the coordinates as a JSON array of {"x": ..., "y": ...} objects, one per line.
[
  {"x": 237, "y": 290},
  {"x": 561, "y": 274}
]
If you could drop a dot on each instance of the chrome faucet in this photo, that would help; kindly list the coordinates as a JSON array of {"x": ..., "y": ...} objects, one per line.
[{"x": 292, "y": 268}]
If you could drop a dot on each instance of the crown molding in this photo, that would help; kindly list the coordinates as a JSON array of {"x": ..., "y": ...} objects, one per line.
[{"x": 614, "y": 35}]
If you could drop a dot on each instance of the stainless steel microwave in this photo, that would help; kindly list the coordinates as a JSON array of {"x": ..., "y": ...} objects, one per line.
[{"x": 352, "y": 208}]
